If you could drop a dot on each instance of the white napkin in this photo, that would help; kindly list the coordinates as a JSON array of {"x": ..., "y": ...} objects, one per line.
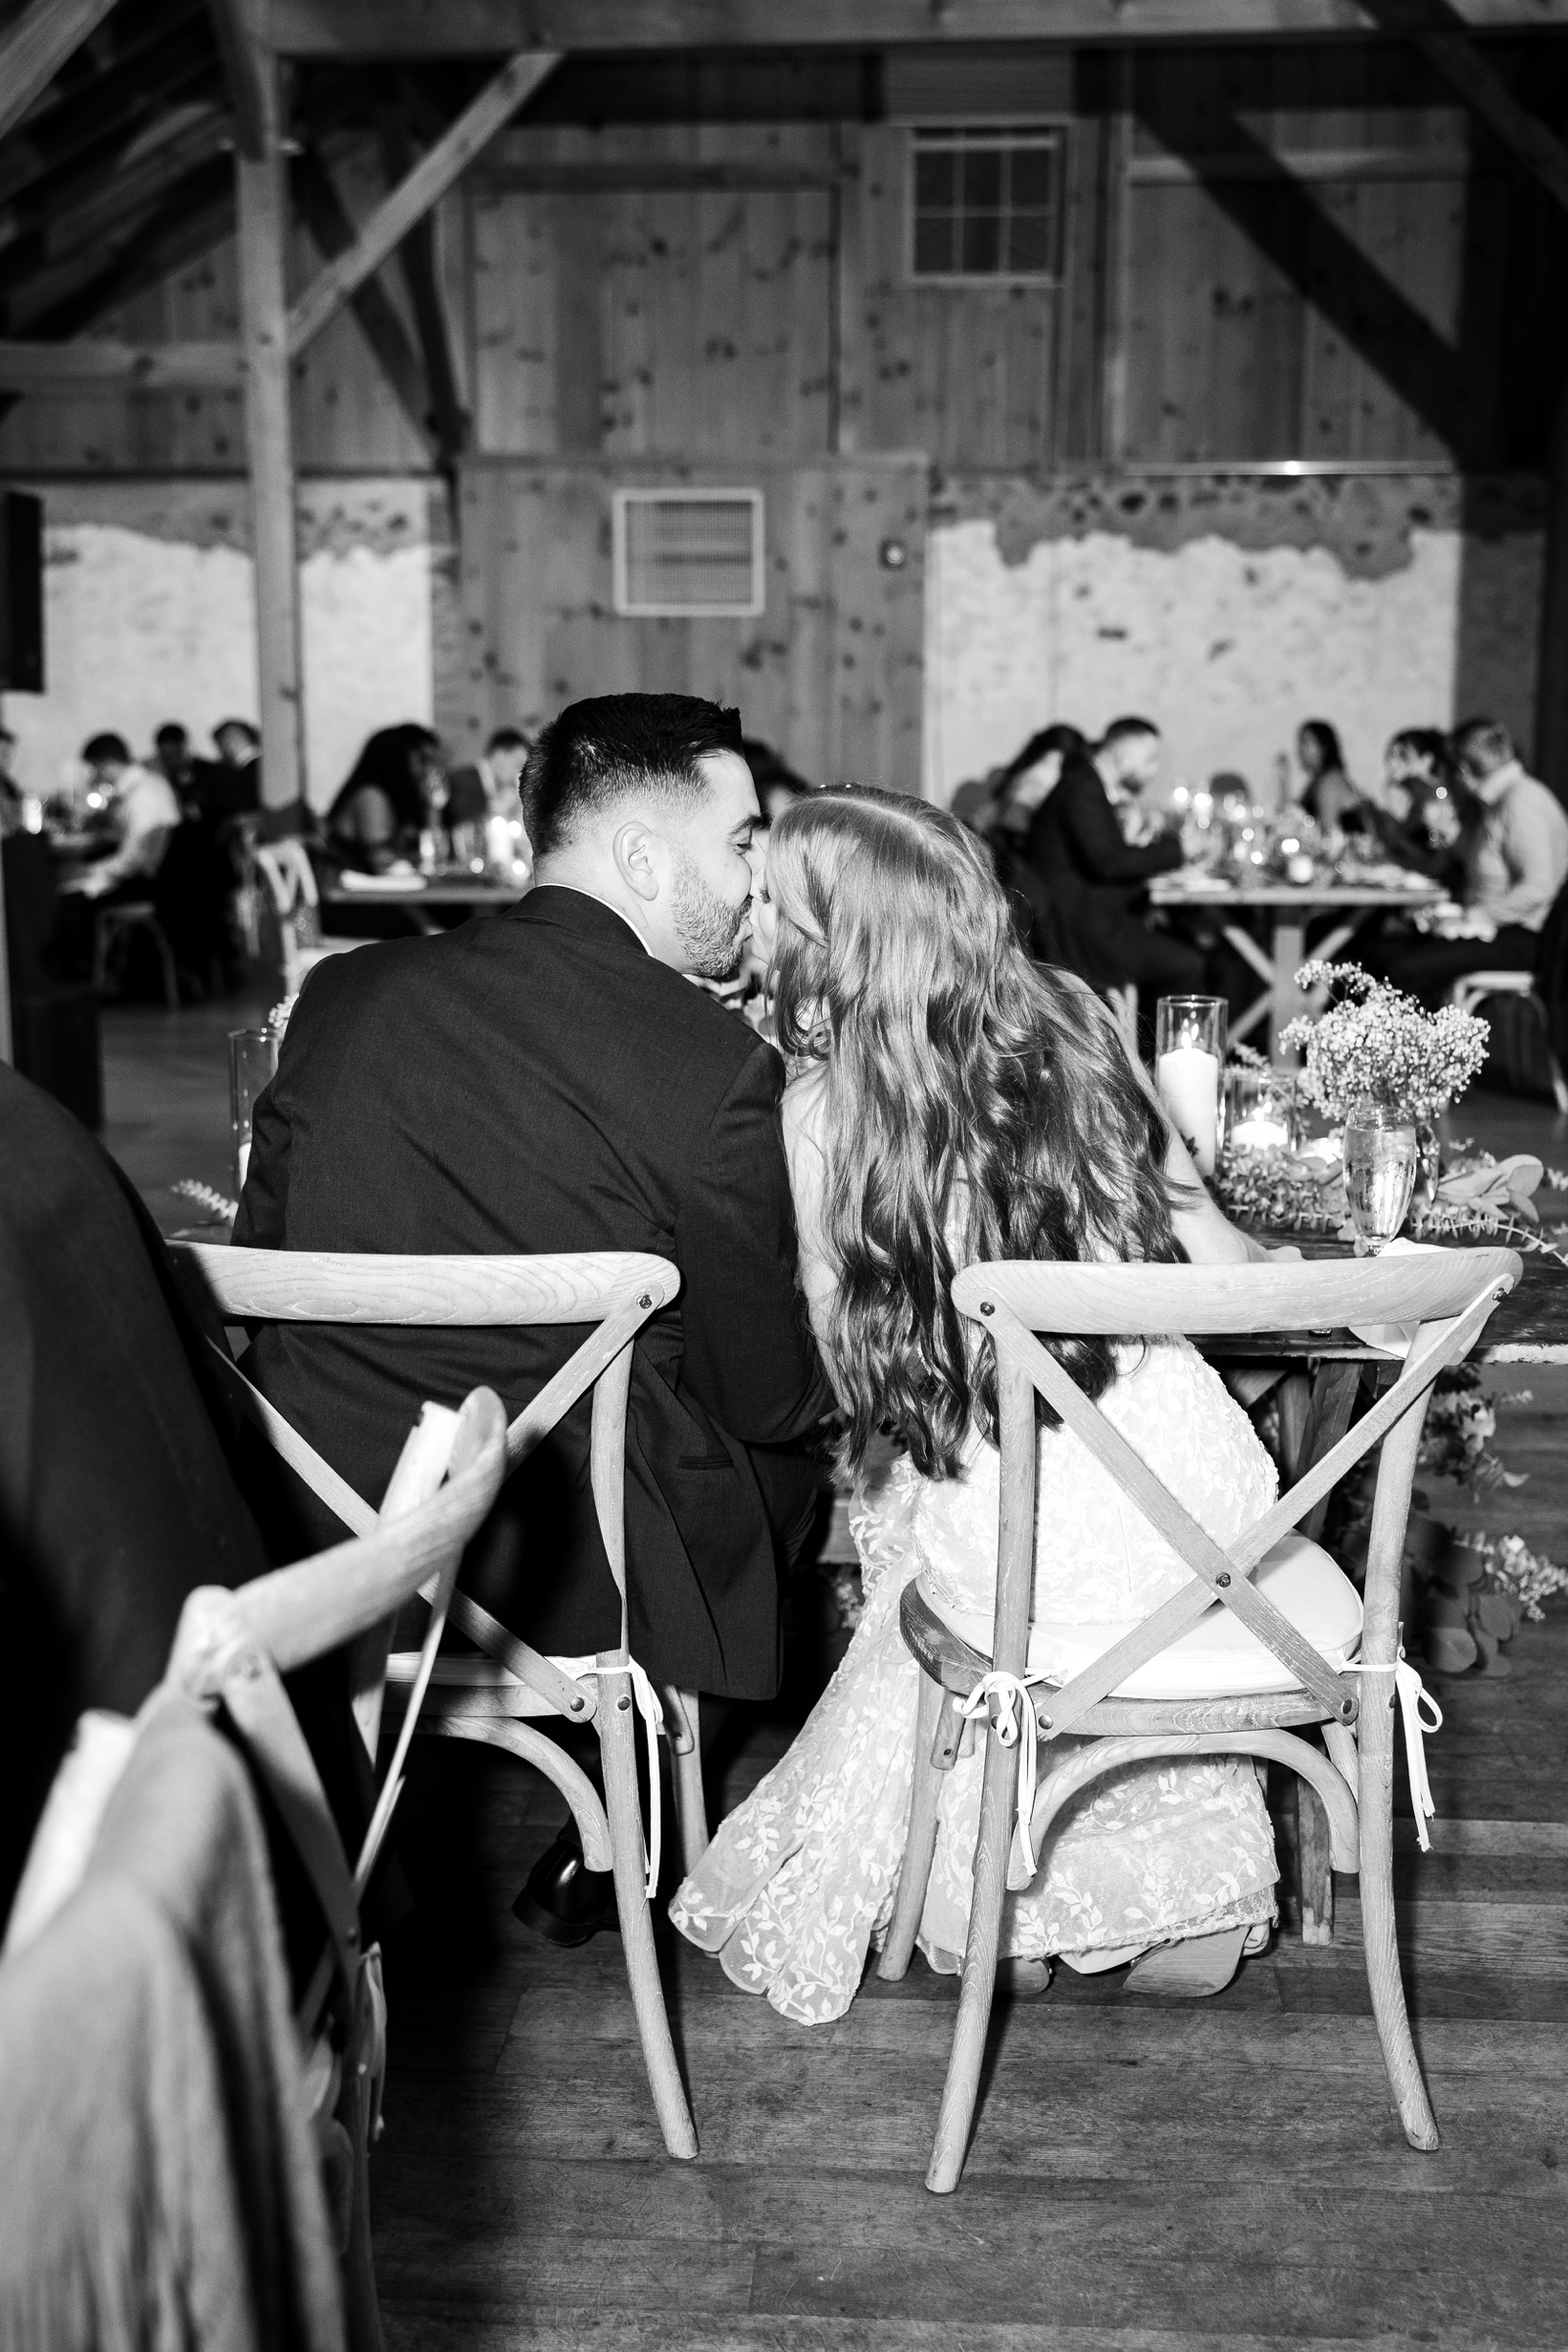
[{"x": 1394, "y": 1339}]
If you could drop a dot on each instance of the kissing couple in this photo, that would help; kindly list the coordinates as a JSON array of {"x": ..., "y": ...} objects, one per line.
[{"x": 550, "y": 1080}]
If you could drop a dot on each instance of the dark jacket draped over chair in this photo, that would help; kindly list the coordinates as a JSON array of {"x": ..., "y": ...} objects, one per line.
[{"x": 537, "y": 1082}]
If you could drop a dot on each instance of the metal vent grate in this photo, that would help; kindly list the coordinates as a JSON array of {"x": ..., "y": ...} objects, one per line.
[{"x": 696, "y": 554}]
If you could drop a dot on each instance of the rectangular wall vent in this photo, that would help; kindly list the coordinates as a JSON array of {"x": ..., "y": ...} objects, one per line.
[{"x": 688, "y": 554}]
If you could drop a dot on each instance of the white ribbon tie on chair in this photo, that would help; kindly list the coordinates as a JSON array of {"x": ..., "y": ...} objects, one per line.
[
  {"x": 1411, "y": 1692},
  {"x": 646, "y": 1701},
  {"x": 1014, "y": 1716}
]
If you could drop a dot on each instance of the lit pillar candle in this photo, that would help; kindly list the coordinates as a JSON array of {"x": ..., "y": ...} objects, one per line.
[{"x": 1188, "y": 1080}]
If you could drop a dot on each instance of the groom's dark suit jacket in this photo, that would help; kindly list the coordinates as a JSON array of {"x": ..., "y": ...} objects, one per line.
[{"x": 538, "y": 1082}]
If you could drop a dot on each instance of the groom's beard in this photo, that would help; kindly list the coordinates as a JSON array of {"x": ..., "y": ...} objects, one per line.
[{"x": 711, "y": 932}]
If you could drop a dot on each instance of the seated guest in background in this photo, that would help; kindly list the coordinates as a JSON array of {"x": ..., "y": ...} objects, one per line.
[
  {"x": 489, "y": 787},
  {"x": 172, "y": 758},
  {"x": 1093, "y": 879},
  {"x": 384, "y": 805},
  {"x": 1017, "y": 792},
  {"x": 1421, "y": 814},
  {"x": 550, "y": 1080},
  {"x": 231, "y": 784},
  {"x": 1515, "y": 862},
  {"x": 145, "y": 813},
  {"x": 1327, "y": 795}
]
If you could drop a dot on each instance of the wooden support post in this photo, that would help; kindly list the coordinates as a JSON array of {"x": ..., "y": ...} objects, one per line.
[{"x": 262, "y": 188}]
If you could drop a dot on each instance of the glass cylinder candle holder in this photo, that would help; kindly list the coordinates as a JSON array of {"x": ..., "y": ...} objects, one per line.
[
  {"x": 1380, "y": 1166},
  {"x": 252, "y": 1065},
  {"x": 1189, "y": 1063},
  {"x": 1261, "y": 1110}
]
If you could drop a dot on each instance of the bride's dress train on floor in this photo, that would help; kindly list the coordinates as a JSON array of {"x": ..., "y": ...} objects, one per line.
[{"x": 799, "y": 1881}]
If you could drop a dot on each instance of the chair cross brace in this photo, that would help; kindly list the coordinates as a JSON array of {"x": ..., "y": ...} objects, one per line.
[{"x": 1218, "y": 1573}]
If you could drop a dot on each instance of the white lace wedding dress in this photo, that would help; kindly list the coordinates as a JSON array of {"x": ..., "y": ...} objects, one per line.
[{"x": 799, "y": 1881}]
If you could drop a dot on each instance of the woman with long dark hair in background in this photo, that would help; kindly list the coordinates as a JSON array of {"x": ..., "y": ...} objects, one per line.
[
  {"x": 952, "y": 1102},
  {"x": 382, "y": 807}
]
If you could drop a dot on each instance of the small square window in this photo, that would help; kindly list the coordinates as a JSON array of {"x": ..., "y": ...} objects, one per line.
[
  {"x": 692, "y": 554},
  {"x": 985, "y": 201}
]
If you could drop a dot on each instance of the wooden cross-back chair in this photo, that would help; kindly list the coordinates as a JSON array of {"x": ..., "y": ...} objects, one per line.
[
  {"x": 1246, "y": 1681},
  {"x": 231, "y": 1649},
  {"x": 490, "y": 1698}
]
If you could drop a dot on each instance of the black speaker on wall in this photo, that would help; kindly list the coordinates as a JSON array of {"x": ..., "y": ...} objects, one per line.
[{"x": 20, "y": 592}]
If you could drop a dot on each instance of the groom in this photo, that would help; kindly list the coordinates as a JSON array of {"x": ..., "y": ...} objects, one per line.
[{"x": 552, "y": 1080}]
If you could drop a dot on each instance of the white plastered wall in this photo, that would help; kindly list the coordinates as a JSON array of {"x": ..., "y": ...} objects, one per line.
[
  {"x": 150, "y": 617},
  {"x": 1226, "y": 647}
]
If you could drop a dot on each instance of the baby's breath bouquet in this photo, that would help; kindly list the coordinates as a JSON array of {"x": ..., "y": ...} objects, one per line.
[{"x": 1374, "y": 1044}]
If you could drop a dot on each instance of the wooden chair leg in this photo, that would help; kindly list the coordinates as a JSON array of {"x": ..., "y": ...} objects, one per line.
[
  {"x": 997, "y": 1798},
  {"x": 1375, "y": 1733},
  {"x": 1314, "y": 1875},
  {"x": 618, "y": 1747},
  {"x": 683, "y": 1723},
  {"x": 920, "y": 1839}
]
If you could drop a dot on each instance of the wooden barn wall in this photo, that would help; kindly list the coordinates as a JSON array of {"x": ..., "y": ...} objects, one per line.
[
  {"x": 830, "y": 671},
  {"x": 645, "y": 322},
  {"x": 347, "y": 419},
  {"x": 1262, "y": 253}
]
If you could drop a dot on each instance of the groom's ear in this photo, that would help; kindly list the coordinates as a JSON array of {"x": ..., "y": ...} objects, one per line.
[{"x": 634, "y": 850}]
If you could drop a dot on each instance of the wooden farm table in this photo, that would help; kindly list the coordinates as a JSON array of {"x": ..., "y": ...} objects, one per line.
[
  {"x": 1528, "y": 1327},
  {"x": 1287, "y": 910},
  {"x": 415, "y": 898}
]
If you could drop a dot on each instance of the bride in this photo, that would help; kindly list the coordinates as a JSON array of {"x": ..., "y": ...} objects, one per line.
[{"x": 953, "y": 1102}]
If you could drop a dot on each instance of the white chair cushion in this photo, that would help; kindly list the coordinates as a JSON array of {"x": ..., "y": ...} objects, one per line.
[{"x": 1216, "y": 1658}]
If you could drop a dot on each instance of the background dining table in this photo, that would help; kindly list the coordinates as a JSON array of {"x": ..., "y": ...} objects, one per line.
[
  {"x": 1287, "y": 908},
  {"x": 418, "y": 895}
]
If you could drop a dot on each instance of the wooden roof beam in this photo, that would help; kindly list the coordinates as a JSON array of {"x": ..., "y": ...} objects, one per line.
[
  {"x": 410, "y": 28},
  {"x": 34, "y": 47},
  {"x": 1453, "y": 55},
  {"x": 331, "y": 227},
  {"x": 420, "y": 275},
  {"x": 426, "y": 185},
  {"x": 110, "y": 366}
]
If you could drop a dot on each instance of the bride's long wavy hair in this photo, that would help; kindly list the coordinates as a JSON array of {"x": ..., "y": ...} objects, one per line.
[{"x": 976, "y": 1106}]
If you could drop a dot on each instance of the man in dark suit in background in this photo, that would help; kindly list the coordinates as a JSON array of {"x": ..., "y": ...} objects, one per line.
[
  {"x": 1097, "y": 878},
  {"x": 550, "y": 1079}
]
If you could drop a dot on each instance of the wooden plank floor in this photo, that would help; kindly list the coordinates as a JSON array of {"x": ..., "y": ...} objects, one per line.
[
  {"x": 1142, "y": 2175},
  {"x": 1149, "y": 2178}
]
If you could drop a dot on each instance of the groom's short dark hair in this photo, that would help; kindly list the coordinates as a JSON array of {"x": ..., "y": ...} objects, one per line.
[{"x": 601, "y": 751}]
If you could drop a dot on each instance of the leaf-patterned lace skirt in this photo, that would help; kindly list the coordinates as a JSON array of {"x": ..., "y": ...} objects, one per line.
[{"x": 798, "y": 1883}]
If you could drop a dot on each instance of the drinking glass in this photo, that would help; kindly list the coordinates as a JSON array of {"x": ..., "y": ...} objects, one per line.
[
  {"x": 1380, "y": 1165},
  {"x": 252, "y": 1065},
  {"x": 1189, "y": 1067}
]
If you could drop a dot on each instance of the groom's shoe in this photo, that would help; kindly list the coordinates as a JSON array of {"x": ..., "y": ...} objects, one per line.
[{"x": 564, "y": 1900}]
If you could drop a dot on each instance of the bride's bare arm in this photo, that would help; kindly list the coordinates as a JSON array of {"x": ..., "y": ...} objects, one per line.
[{"x": 807, "y": 1167}]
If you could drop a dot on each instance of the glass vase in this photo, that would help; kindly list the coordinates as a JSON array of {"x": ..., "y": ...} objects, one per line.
[
  {"x": 1428, "y": 1164},
  {"x": 1381, "y": 1155}
]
